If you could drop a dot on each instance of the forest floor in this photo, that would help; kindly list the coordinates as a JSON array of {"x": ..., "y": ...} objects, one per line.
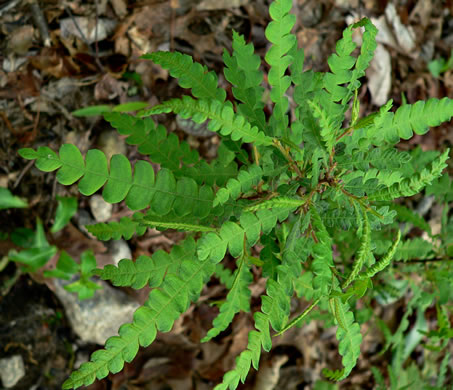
[{"x": 55, "y": 61}]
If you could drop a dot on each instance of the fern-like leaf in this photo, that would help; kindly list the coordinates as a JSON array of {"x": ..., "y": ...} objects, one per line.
[
  {"x": 413, "y": 185},
  {"x": 342, "y": 62},
  {"x": 331, "y": 115},
  {"x": 363, "y": 252},
  {"x": 323, "y": 257},
  {"x": 164, "y": 305},
  {"x": 173, "y": 222},
  {"x": 275, "y": 310},
  {"x": 238, "y": 299},
  {"x": 190, "y": 74},
  {"x": 349, "y": 337},
  {"x": 407, "y": 215},
  {"x": 411, "y": 118},
  {"x": 333, "y": 375},
  {"x": 416, "y": 248},
  {"x": 328, "y": 130},
  {"x": 119, "y": 183},
  {"x": 380, "y": 158},
  {"x": 125, "y": 227},
  {"x": 166, "y": 150},
  {"x": 440, "y": 382},
  {"x": 385, "y": 261},
  {"x": 154, "y": 141},
  {"x": 231, "y": 234},
  {"x": 246, "y": 179},
  {"x": 222, "y": 118},
  {"x": 242, "y": 70},
  {"x": 278, "y": 32},
  {"x": 148, "y": 270},
  {"x": 280, "y": 202},
  {"x": 139, "y": 190}
]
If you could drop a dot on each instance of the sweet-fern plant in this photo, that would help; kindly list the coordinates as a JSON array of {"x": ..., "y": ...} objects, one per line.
[{"x": 309, "y": 171}]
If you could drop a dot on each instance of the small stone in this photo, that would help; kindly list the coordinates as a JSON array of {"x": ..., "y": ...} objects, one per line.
[
  {"x": 12, "y": 64},
  {"x": 101, "y": 210},
  {"x": 83, "y": 219},
  {"x": 196, "y": 129},
  {"x": 12, "y": 370},
  {"x": 110, "y": 144},
  {"x": 94, "y": 320},
  {"x": 119, "y": 250},
  {"x": 349, "y": 4}
]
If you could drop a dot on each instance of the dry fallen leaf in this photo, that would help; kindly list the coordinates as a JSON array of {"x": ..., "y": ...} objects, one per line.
[
  {"x": 21, "y": 40},
  {"x": 109, "y": 88},
  {"x": 120, "y": 7},
  {"x": 84, "y": 28},
  {"x": 269, "y": 373},
  {"x": 210, "y": 5},
  {"x": 404, "y": 34},
  {"x": 379, "y": 76}
]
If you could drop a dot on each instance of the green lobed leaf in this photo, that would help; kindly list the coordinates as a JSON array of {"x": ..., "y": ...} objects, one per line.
[
  {"x": 278, "y": 32},
  {"x": 125, "y": 227},
  {"x": 190, "y": 74},
  {"x": 163, "y": 306},
  {"x": 349, "y": 337},
  {"x": 148, "y": 270},
  {"x": 222, "y": 118},
  {"x": 362, "y": 254},
  {"x": 412, "y": 185},
  {"x": 66, "y": 209},
  {"x": 411, "y": 118},
  {"x": 92, "y": 110},
  {"x": 66, "y": 267},
  {"x": 33, "y": 258},
  {"x": 8, "y": 200},
  {"x": 238, "y": 299},
  {"x": 242, "y": 70},
  {"x": 139, "y": 188}
]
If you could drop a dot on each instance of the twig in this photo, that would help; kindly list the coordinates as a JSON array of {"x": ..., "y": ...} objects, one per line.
[
  {"x": 7, "y": 122},
  {"x": 96, "y": 45},
  {"x": 24, "y": 171},
  {"x": 360, "y": 201},
  {"x": 52, "y": 197},
  {"x": 7, "y": 7},
  {"x": 288, "y": 157},
  {"x": 345, "y": 133},
  {"x": 82, "y": 35},
  {"x": 36, "y": 122},
  {"x": 172, "y": 24},
  {"x": 41, "y": 22}
]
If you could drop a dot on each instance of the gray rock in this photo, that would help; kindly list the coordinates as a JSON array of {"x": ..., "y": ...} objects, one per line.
[
  {"x": 101, "y": 210},
  {"x": 84, "y": 218},
  {"x": 111, "y": 144},
  {"x": 119, "y": 250},
  {"x": 196, "y": 129},
  {"x": 96, "y": 319},
  {"x": 12, "y": 370}
]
